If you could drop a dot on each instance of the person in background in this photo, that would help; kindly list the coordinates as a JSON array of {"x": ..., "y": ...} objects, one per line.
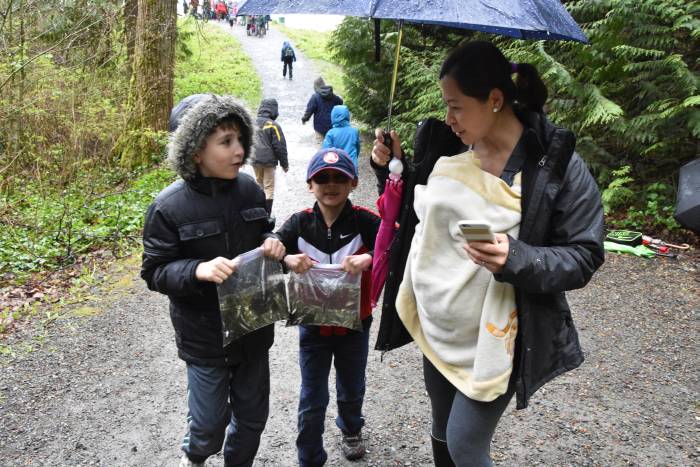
[
  {"x": 270, "y": 149},
  {"x": 342, "y": 135},
  {"x": 333, "y": 231},
  {"x": 231, "y": 13},
  {"x": 490, "y": 317},
  {"x": 206, "y": 10},
  {"x": 221, "y": 10},
  {"x": 287, "y": 57},
  {"x": 260, "y": 26},
  {"x": 192, "y": 231},
  {"x": 320, "y": 105},
  {"x": 178, "y": 112}
]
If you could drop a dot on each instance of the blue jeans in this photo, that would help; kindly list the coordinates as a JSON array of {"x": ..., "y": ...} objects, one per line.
[
  {"x": 236, "y": 396},
  {"x": 315, "y": 355}
]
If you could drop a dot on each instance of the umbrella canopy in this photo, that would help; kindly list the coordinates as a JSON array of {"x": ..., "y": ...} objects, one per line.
[{"x": 522, "y": 19}]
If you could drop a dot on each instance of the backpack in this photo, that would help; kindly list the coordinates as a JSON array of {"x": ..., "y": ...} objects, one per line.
[{"x": 288, "y": 52}]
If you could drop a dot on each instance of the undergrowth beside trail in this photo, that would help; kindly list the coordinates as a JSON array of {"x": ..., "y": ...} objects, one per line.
[{"x": 69, "y": 201}]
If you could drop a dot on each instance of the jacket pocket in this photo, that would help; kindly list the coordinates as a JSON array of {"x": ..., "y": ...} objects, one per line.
[
  {"x": 248, "y": 233},
  {"x": 199, "y": 230},
  {"x": 204, "y": 239},
  {"x": 254, "y": 214}
]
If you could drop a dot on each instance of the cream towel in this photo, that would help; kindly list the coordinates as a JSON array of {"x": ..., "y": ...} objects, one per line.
[{"x": 462, "y": 319}]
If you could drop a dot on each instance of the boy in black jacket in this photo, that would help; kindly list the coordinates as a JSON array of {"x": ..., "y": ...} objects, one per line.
[
  {"x": 334, "y": 231},
  {"x": 192, "y": 230}
]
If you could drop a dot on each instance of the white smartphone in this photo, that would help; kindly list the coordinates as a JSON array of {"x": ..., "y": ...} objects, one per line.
[{"x": 476, "y": 231}]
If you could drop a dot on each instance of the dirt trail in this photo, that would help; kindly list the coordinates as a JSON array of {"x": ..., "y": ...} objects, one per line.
[{"x": 108, "y": 389}]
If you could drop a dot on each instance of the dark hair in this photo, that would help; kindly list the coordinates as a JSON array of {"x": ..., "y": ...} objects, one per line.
[{"x": 479, "y": 66}]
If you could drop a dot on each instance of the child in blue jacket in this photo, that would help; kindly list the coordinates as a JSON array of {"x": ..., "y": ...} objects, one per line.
[{"x": 342, "y": 135}]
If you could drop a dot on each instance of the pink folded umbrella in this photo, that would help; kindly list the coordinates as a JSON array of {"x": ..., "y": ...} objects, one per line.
[{"x": 389, "y": 205}]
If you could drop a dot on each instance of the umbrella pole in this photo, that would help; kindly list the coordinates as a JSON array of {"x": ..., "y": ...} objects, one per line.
[{"x": 394, "y": 75}]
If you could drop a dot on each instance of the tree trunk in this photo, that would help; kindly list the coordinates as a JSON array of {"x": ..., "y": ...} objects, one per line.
[
  {"x": 151, "y": 94},
  {"x": 131, "y": 9}
]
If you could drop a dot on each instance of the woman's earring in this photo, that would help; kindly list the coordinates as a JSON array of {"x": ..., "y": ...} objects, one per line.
[{"x": 495, "y": 109}]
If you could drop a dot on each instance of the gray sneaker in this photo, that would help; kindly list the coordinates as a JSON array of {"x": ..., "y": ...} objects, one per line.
[
  {"x": 353, "y": 446},
  {"x": 186, "y": 462}
]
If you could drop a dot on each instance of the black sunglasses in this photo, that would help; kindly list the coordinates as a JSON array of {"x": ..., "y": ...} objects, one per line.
[{"x": 328, "y": 176}]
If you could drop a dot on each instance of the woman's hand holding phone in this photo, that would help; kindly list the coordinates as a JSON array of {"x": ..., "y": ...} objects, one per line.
[{"x": 491, "y": 256}]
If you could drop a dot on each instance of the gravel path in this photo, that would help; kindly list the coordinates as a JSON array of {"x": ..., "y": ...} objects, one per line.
[{"x": 102, "y": 385}]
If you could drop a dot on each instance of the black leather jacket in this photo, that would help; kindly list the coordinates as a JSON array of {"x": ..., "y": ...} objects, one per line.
[
  {"x": 559, "y": 247},
  {"x": 192, "y": 222}
]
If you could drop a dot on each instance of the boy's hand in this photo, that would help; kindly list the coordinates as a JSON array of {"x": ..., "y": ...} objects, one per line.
[
  {"x": 298, "y": 263},
  {"x": 355, "y": 264},
  {"x": 273, "y": 248},
  {"x": 216, "y": 270}
]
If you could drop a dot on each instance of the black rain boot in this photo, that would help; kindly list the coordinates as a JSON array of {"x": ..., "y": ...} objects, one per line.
[{"x": 441, "y": 456}]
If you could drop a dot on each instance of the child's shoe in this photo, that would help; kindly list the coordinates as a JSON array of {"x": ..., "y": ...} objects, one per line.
[
  {"x": 186, "y": 462},
  {"x": 353, "y": 446}
]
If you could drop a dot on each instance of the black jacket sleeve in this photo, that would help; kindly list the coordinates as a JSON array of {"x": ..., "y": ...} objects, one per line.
[
  {"x": 162, "y": 266},
  {"x": 279, "y": 145},
  {"x": 576, "y": 240}
]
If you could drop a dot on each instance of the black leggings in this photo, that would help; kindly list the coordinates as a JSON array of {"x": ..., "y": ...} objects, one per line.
[{"x": 465, "y": 424}]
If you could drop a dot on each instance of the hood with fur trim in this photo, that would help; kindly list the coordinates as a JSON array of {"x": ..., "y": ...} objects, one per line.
[{"x": 198, "y": 123}]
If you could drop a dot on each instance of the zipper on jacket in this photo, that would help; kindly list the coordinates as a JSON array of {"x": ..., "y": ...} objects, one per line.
[
  {"x": 542, "y": 161},
  {"x": 330, "y": 252}
]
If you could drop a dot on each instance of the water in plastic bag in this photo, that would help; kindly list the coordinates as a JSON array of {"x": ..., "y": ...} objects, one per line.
[
  {"x": 325, "y": 295},
  {"x": 253, "y": 296}
]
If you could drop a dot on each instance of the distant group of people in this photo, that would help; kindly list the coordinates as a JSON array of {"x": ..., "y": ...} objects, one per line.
[
  {"x": 257, "y": 25},
  {"x": 222, "y": 10},
  {"x": 490, "y": 317}
]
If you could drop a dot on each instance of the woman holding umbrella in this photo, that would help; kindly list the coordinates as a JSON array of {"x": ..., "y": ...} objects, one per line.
[{"x": 491, "y": 318}]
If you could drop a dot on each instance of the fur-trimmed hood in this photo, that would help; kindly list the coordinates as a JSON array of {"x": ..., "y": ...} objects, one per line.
[{"x": 198, "y": 123}]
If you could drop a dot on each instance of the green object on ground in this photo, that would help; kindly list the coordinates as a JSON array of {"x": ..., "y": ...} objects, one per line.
[
  {"x": 626, "y": 237},
  {"x": 639, "y": 250}
]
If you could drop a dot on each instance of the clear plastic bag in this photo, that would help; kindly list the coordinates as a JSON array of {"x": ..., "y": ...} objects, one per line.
[
  {"x": 325, "y": 295},
  {"x": 253, "y": 296}
]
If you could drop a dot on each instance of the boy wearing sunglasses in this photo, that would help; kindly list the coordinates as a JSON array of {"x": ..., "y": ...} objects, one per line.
[{"x": 334, "y": 231}]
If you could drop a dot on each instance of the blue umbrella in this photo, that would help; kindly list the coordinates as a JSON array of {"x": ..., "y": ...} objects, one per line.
[{"x": 522, "y": 19}]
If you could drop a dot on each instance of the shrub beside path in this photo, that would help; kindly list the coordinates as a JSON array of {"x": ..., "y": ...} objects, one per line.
[{"x": 102, "y": 385}]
